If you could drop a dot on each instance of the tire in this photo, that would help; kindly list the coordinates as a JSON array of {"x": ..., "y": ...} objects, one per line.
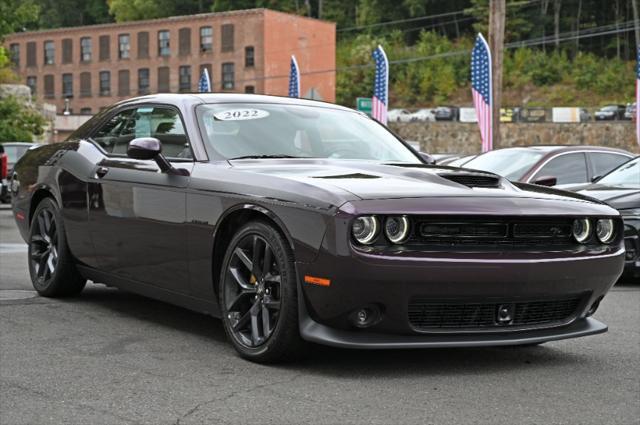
[
  {"x": 253, "y": 297},
  {"x": 51, "y": 266}
]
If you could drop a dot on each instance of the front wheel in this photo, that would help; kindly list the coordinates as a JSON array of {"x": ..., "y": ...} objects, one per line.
[
  {"x": 53, "y": 272},
  {"x": 258, "y": 295}
]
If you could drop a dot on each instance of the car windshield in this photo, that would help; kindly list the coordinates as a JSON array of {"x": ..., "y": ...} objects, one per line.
[
  {"x": 610, "y": 108},
  {"x": 510, "y": 163},
  {"x": 14, "y": 153},
  {"x": 236, "y": 131},
  {"x": 626, "y": 175}
]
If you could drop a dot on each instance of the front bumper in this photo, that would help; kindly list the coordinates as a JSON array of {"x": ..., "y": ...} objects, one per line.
[{"x": 321, "y": 334}]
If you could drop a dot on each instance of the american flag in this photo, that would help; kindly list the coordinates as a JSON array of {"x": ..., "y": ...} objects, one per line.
[
  {"x": 638, "y": 97},
  {"x": 204, "y": 84},
  {"x": 380, "y": 87},
  {"x": 294, "y": 78},
  {"x": 482, "y": 91}
]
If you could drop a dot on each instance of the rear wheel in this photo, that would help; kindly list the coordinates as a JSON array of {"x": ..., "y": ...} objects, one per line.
[
  {"x": 258, "y": 295},
  {"x": 53, "y": 273}
]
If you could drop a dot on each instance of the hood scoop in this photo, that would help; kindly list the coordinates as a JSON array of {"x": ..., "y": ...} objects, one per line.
[{"x": 473, "y": 180}]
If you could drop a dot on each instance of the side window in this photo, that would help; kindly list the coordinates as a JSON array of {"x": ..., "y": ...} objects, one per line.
[
  {"x": 602, "y": 163},
  {"x": 160, "y": 122},
  {"x": 114, "y": 135},
  {"x": 569, "y": 168}
]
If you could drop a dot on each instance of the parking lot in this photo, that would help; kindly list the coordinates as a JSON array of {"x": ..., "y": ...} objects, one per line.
[{"x": 108, "y": 357}]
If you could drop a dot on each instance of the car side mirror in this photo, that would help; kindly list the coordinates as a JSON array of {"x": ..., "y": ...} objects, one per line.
[
  {"x": 427, "y": 158},
  {"x": 546, "y": 181},
  {"x": 144, "y": 148},
  {"x": 147, "y": 148},
  {"x": 595, "y": 179}
]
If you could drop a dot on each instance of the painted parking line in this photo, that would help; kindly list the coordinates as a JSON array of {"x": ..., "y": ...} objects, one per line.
[{"x": 12, "y": 248}]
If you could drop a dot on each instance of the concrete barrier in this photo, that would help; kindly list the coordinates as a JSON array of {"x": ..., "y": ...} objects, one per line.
[{"x": 464, "y": 138}]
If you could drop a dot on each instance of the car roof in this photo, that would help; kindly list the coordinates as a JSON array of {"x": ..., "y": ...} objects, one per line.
[
  {"x": 213, "y": 98},
  {"x": 567, "y": 148}
]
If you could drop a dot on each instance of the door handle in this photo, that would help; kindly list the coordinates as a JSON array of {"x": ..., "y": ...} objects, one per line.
[{"x": 101, "y": 172}]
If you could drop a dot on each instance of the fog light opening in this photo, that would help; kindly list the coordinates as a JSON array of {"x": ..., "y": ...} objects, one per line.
[
  {"x": 366, "y": 316},
  {"x": 594, "y": 306}
]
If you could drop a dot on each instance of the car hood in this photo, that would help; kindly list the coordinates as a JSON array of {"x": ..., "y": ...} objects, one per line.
[
  {"x": 372, "y": 180},
  {"x": 618, "y": 197}
]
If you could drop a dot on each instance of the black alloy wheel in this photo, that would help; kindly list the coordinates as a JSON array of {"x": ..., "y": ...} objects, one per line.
[
  {"x": 258, "y": 295},
  {"x": 53, "y": 272}
]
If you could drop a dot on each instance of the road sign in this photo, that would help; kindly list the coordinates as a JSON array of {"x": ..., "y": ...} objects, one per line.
[{"x": 363, "y": 104}]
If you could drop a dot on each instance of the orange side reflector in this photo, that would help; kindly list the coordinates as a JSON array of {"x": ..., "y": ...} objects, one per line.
[{"x": 317, "y": 281}]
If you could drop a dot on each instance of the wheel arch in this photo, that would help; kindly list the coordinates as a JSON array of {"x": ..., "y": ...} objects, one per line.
[
  {"x": 37, "y": 197},
  {"x": 234, "y": 218}
]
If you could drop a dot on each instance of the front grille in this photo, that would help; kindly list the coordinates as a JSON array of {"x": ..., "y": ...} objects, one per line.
[
  {"x": 473, "y": 180},
  {"x": 427, "y": 314},
  {"x": 492, "y": 232}
]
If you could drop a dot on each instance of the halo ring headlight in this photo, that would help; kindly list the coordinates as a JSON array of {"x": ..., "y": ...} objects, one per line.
[
  {"x": 365, "y": 229},
  {"x": 605, "y": 230},
  {"x": 396, "y": 229},
  {"x": 581, "y": 229}
]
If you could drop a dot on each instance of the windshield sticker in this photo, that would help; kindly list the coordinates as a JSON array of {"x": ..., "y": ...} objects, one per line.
[{"x": 241, "y": 114}]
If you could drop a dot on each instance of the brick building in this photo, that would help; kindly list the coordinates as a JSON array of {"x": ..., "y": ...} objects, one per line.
[{"x": 244, "y": 51}]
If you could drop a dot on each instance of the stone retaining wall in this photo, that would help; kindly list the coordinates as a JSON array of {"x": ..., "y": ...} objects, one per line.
[{"x": 464, "y": 138}]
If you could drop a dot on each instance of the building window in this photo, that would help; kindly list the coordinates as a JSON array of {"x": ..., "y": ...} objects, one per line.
[
  {"x": 123, "y": 82},
  {"x": 49, "y": 53},
  {"x": 85, "y": 84},
  {"x": 249, "y": 89},
  {"x": 228, "y": 77},
  {"x": 143, "y": 81},
  {"x": 67, "y": 85},
  {"x": 32, "y": 83},
  {"x": 85, "y": 111},
  {"x": 184, "y": 41},
  {"x": 206, "y": 39},
  {"x": 85, "y": 49},
  {"x": 143, "y": 45},
  {"x": 31, "y": 53},
  {"x": 185, "y": 78},
  {"x": 105, "y": 47},
  {"x": 123, "y": 46},
  {"x": 67, "y": 50},
  {"x": 105, "y": 83},
  {"x": 227, "y": 37},
  {"x": 48, "y": 87},
  {"x": 249, "y": 56},
  {"x": 163, "y": 80},
  {"x": 14, "y": 50},
  {"x": 163, "y": 43}
]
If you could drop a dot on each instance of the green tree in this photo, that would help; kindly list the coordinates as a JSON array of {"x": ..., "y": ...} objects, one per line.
[{"x": 19, "y": 122}]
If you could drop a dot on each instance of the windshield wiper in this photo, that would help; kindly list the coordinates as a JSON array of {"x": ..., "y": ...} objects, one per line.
[{"x": 275, "y": 156}]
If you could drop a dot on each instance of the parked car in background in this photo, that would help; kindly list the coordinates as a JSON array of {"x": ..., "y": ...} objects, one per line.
[
  {"x": 584, "y": 115},
  {"x": 423, "y": 115},
  {"x": 630, "y": 112},
  {"x": 460, "y": 162},
  {"x": 550, "y": 165},
  {"x": 398, "y": 115},
  {"x": 610, "y": 112},
  {"x": 446, "y": 113},
  {"x": 13, "y": 151},
  {"x": 621, "y": 189}
]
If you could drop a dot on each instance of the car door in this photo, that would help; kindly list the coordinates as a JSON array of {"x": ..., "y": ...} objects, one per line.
[
  {"x": 137, "y": 213},
  {"x": 567, "y": 168}
]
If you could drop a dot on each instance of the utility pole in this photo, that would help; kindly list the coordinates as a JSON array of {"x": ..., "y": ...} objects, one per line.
[
  {"x": 636, "y": 19},
  {"x": 497, "y": 10}
]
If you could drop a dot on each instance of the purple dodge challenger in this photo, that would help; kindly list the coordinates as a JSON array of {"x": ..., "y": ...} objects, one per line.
[{"x": 297, "y": 221}]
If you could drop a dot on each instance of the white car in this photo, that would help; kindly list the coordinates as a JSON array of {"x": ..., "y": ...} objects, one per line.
[
  {"x": 398, "y": 115},
  {"x": 423, "y": 115}
]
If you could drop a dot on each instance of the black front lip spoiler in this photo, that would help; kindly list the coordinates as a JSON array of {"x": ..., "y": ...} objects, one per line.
[{"x": 313, "y": 331}]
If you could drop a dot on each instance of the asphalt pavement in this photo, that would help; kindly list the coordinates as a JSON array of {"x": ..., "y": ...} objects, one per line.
[{"x": 109, "y": 357}]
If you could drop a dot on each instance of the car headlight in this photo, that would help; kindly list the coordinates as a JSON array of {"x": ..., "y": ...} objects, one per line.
[
  {"x": 631, "y": 213},
  {"x": 397, "y": 229},
  {"x": 365, "y": 229},
  {"x": 605, "y": 230},
  {"x": 581, "y": 229}
]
